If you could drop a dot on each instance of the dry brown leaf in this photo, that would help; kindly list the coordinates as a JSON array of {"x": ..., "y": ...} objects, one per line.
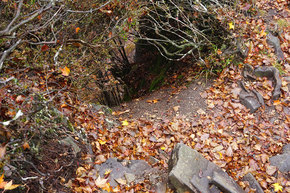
[
  {"x": 80, "y": 171},
  {"x": 229, "y": 151},
  {"x": 176, "y": 108},
  {"x": 270, "y": 170},
  {"x": 264, "y": 158},
  {"x": 2, "y": 152},
  {"x": 253, "y": 164}
]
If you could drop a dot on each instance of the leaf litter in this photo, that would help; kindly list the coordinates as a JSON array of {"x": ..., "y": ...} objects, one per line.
[{"x": 226, "y": 133}]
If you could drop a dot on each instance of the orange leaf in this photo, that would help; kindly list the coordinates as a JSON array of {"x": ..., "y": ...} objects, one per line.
[
  {"x": 2, "y": 183},
  {"x": 65, "y": 71},
  {"x": 77, "y": 30},
  {"x": 277, "y": 102},
  {"x": 26, "y": 146}
]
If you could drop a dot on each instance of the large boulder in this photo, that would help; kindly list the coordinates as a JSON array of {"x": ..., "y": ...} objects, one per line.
[
  {"x": 282, "y": 161},
  {"x": 190, "y": 171}
]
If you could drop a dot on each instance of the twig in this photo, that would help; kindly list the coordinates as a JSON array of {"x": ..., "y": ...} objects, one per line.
[
  {"x": 29, "y": 178},
  {"x": 56, "y": 55},
  {"x": 7, "y": 52},
  {"x": 7, "y": 80}
]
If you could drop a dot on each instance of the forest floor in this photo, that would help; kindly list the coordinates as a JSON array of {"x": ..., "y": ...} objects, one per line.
[{"x": 204, "y": 114}]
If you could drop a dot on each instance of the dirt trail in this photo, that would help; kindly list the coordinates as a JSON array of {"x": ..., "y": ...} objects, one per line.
[{"x": 167, "y": 103}]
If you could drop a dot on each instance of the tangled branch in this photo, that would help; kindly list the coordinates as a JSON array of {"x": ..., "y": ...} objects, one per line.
[{"x": 178, "y": 28}]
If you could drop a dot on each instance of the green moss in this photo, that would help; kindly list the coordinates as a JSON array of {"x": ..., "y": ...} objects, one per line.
[
  {"x": 279, "y": 67},
  {"x": 283, "y": 23}
]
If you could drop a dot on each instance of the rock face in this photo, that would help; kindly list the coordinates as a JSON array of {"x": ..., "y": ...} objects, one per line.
[
  {"x": 271, "y": 73},
  {"x": 275, "y": 42},
  {"x": 190, "y": 171},
  {"x": 282, "y": 161},
  {"x": 253, "y": 183},
  {"x": 253, "y": 99},
  {"x": 125, "y": 171},
  {"x": 250, "y": 99}
]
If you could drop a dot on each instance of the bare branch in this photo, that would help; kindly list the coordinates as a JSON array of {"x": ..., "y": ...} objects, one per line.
[
  {"x": 7, "y": 80},
  {"x": 9, "y": 29},
  {"x": 7, "y": 52}
]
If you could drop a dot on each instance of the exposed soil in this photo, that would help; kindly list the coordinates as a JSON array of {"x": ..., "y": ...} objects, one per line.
[{"x": 168, "y": 102}]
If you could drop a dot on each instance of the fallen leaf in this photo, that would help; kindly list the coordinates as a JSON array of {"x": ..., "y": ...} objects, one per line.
[
  {"x": 80, "y": 171},
  {"x": 263, "y": 33},
  {"x": 276, "y": 102},
  {"x": 108, "y": 172},
  {"x": 65, "y": 71},
  {"x": 2, "y": 152},
  {"x": 77, "y": 30},
  {"x": 10, "y": 186},
  {"x": 229, "y": 151},
  {"x": 253, "y": 164},
  {"x": 264, "y": 158},
  {"x": 25, "y": 146},
  {"x": 176, "y": 108},
  {"x": 270, "y": 170},
  {"x": 101, "y": 183},
  {"x": 277, "y": 187},
  {"x": 125, "y": 123},
  {"x": 44, "y": 48},
  {"x": 102, "y": 142},
  {"x": 2, "y": 182},
  {"x": 231, "y": 25}
]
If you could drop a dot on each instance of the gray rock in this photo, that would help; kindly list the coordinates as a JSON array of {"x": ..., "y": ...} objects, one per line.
[
  {"x": 130, "y": 170},
  {"x": 248, "y": 72},
  {"x": 224, "y": 183},
  {"x": 130, "y": 177},
  {"x": 271, "y": 73},
  {"x": 69, "y": 141},
  {"x": 139, "y": 167},
  {"x": 190, "y": 171},
  {"x": 152, "y": 160},
  {"x": 286, "y": 148},
  {"x": 118, "y": 170},
  {"x": 282, "y": 162},
  {"x": 253, "y": 182},
  {"x": 251, "y": 100},
  {"x": 275, "y": 42},
  {"x": 161, "y": 187}
]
